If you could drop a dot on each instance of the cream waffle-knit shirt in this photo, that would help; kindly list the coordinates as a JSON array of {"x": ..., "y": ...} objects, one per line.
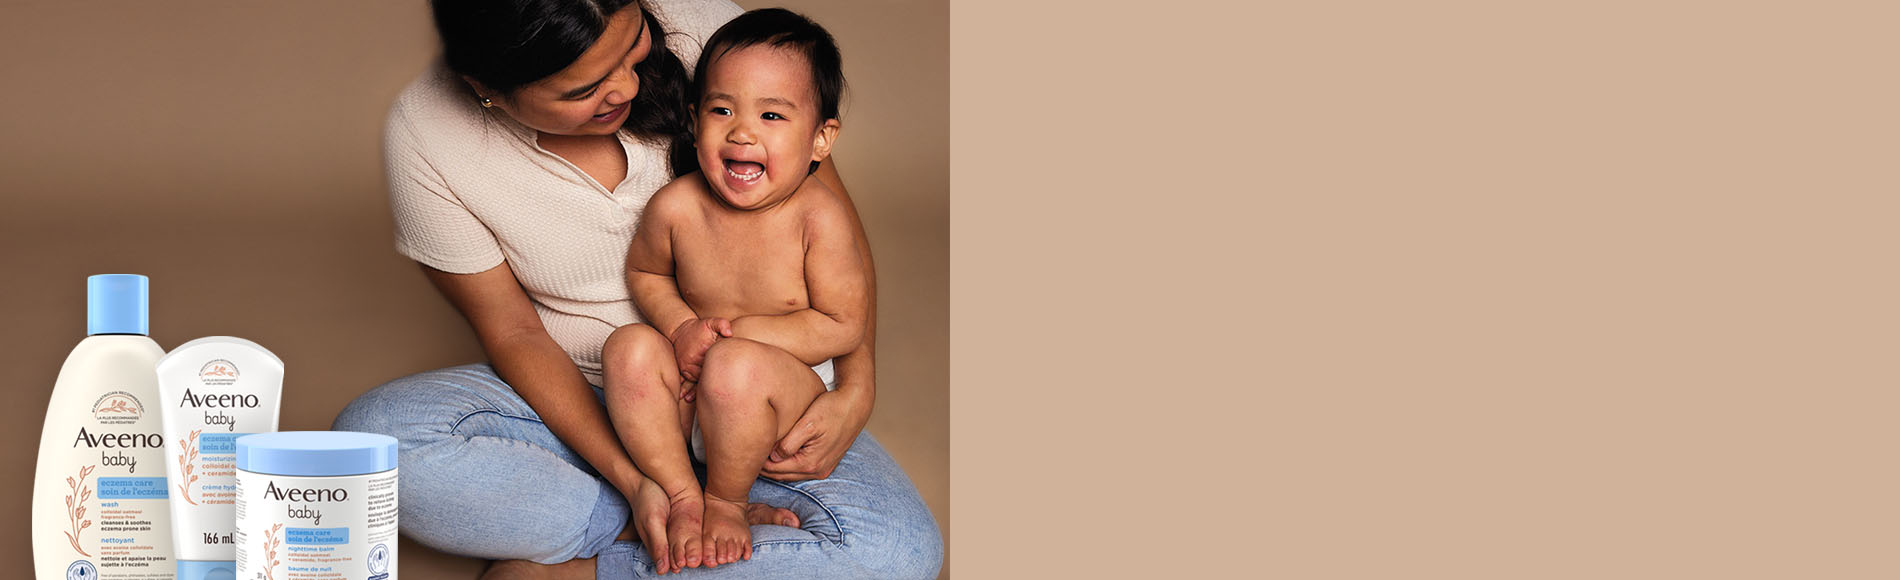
[{"x": 470, "y": 188}]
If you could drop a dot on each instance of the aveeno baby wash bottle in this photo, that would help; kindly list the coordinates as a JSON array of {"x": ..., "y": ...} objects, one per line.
[{"x": 99, "y": 499}]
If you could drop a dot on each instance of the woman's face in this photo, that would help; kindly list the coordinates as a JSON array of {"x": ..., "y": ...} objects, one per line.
[{"x": 590, "y": 96}]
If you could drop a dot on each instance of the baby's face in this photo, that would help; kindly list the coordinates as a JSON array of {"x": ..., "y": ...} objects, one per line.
[{"x": 758, "y": 126}]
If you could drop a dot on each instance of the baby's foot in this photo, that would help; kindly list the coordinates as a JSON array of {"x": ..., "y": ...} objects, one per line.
[
  {"x": 683, "y": 528},
  {"x": 759, "y": 514},
  {"x": 727, "y": 537}
]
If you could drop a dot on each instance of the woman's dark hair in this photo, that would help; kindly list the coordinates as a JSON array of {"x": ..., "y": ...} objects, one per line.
[
  {"x": 505, "y": 44},
  {"x": 780, "y": 28}
]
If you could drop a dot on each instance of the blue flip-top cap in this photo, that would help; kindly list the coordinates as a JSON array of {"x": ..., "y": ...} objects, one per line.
[
  {"x": 207, "y": 570},
  {"x": 316, "y": 453},
  {"x": 116, "y": 304}
]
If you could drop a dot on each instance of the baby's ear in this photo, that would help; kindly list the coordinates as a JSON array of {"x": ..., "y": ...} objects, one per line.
[{"x": 822, "y": 141}]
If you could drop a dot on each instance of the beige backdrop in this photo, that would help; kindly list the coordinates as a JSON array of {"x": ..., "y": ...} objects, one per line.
[
  {"x": 231, "y": 151},
  {"x": 1400, "y": 290}
]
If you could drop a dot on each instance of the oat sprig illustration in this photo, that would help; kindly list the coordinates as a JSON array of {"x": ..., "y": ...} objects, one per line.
[
  {"x": 271, "y": 540},
  {"x": 76, "y": 507},
  {"x": 186, "y": 462}
]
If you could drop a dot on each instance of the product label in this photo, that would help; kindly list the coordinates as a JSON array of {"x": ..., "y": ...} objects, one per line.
[
  {"x": 118, "y": 408},
  {"x": 207, "y": 462},
  {"x": 110, "y": 512},
  {"x": 100, "y": 504},
  {"x": 132, "y": 488},
  {"x": 210, "y": 400},
  {"x": 316, "y": 528}
]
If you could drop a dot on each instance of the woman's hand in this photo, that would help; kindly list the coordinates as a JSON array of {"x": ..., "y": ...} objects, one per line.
[
  {"x": 650, "y": 505},
  {"x": 818, "y": 441},
  {"x": 692, "y": 339}
]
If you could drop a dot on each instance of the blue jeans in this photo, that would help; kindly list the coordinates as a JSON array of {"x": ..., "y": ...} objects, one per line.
[{"x": 482, "y": 476}]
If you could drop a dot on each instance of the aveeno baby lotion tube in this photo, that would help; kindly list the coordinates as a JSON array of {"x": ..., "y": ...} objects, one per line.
[
  {"x": 99, "y": 493},
  {"x": 212, "y": 391}
]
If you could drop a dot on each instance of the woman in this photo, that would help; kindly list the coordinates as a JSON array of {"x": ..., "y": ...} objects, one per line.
[{"x": 518, "y": 170}]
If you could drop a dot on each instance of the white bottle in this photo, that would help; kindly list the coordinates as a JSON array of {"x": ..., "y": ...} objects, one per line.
[
  {"x": 99, "y": 489},
  {"x": 213, "y": 390}
]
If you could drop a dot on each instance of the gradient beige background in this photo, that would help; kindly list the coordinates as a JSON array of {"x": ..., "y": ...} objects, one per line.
[
  {"x": 231, "y": 151},
  {"x": 1396, "y": 290},
  {"x": 1473, "y": 290}
]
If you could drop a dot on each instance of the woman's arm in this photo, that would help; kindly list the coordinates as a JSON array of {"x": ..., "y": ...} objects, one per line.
[
  {"x": 818, "y": 441},
  {"x": 529, "y": 360}
]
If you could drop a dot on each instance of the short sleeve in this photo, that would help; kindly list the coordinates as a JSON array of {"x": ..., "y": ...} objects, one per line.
[
  {"x": 690, "y": 22},
  {"x": 432, "y": 225}
]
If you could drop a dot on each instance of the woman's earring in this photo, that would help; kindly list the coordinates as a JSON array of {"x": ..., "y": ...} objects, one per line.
[{"x": 487, "y": 104}]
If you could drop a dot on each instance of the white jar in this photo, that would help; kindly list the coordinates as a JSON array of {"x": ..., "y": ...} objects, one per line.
[{"x": 316, "y": 505}]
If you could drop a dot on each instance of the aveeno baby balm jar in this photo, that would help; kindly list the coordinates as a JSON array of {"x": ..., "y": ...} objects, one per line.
[{"x": 316, "y": 505}]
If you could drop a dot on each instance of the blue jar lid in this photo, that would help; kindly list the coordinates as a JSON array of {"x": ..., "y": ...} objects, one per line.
[
  {"x": 316, "y": 453},
  {"x": 207, "y": 570}
]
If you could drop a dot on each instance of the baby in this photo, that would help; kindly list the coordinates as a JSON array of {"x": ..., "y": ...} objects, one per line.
[{"x": 748, "y": 272}]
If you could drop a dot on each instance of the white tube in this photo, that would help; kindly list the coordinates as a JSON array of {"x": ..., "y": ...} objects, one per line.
[{"x": 212, "y": 391}]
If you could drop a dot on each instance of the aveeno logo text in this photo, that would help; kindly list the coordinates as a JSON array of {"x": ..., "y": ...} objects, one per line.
[
  {"x": 121, "y": 441},
  {"x": 247, "y": 401},
  {"x": 272, "y": 492},
  {"x": 304, "y": 494},
  {"x": 219, "y": 401}
]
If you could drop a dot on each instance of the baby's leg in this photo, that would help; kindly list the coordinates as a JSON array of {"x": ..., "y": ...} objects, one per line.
[
  {"x": 750, "y": 394},
  {"x": 643, "y": 401}
]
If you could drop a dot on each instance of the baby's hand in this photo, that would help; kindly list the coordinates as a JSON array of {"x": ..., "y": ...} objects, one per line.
[{"x": 691, "y": 341}]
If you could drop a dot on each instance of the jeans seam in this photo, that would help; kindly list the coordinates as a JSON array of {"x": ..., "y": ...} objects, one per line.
[
  {"x": 835, "y": 522},
  {"x": 466, "y": 416},
  {"x": 780, "y": 542}
]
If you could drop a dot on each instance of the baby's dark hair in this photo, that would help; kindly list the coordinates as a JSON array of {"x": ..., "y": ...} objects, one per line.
[
  {"x": 777, "y": 28},
  {"x": 781, "y": 28}
]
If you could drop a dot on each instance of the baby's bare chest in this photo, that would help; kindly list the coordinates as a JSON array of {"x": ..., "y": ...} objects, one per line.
[{"x": 736, "y": 269}]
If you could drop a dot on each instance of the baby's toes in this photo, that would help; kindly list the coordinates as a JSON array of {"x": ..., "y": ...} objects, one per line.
[
  {"x": 710, "y": 546},
  {"x": 686, "y": 552}
]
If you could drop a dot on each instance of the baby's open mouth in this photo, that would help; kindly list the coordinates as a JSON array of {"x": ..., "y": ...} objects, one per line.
[{"x": 745, "y": 171}]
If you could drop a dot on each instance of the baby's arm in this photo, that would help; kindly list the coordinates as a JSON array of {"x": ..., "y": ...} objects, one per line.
[
  {"x": 655, "y": 291},
  {"x": 834, "y": 277}
]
